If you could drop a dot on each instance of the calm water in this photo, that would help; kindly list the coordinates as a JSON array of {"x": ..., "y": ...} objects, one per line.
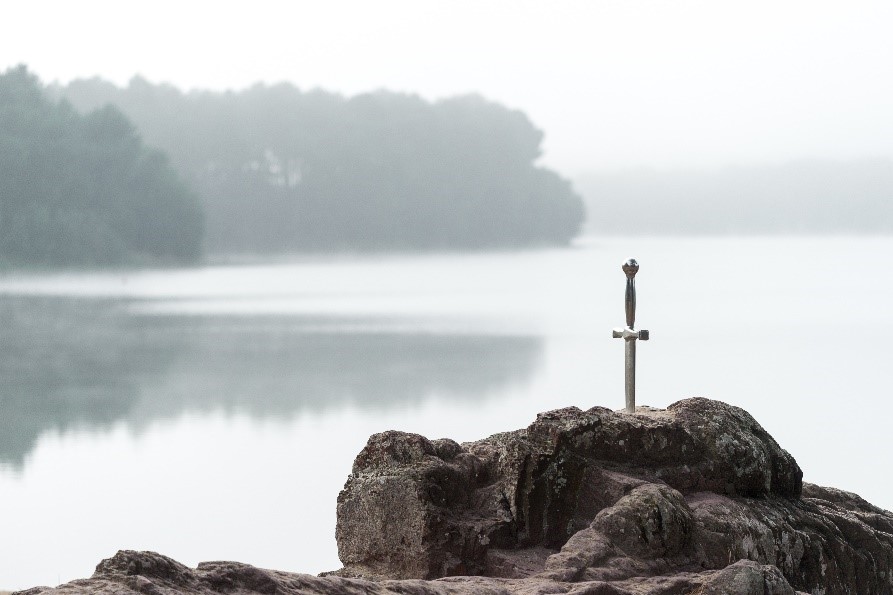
[{"x": 215, "y": 413}]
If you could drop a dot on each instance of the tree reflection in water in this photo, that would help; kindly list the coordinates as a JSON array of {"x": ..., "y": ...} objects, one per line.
[{"x": 87, "y": 363}]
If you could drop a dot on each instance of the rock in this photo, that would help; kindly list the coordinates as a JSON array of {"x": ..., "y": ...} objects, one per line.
[
  {"x": 540, "y": 486},
  {"x": 598, "y": 496},
  {"x": 746, "y": 576},
  {"x": 694, "y": 499},
  {"x": 131, "y": 573}
]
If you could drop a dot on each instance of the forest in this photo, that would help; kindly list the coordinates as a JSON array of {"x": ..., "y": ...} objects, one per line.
[
  {"x": 85, "y": 189},
  {"x": 281, "y": 170}
]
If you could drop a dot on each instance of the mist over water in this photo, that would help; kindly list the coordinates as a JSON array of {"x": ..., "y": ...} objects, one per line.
[
  {"x": 801, "y": 197},
  {"x": 207, "y": 406},
  {"x": 214, "y": 413},
  {"x": 76, "y": 363}
]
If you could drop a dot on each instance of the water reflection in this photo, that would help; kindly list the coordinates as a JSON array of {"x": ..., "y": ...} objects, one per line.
[{"x": 68, "y": 362}]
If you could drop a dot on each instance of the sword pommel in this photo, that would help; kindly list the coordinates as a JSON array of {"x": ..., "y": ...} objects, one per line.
[{"x": 630, "y": 267}]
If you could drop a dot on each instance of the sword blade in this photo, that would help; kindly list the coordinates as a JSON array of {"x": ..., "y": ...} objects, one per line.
[{"x": 630, "y": 353}]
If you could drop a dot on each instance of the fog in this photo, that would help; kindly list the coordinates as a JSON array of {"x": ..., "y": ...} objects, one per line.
[
  {"x": 238, "y": 238},
  {"x": 625, "y": 92},
  {"x": 74, "y": 363},
  {"x": 690, "y": 84},
  {"x": 797, "y": 197},
  {"x": 214, "y": 412}
]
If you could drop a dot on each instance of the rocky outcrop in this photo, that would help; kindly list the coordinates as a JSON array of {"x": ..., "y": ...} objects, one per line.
[{"x": 694, "y": 499}]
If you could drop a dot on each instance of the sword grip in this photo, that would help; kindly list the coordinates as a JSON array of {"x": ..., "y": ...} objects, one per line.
[
  {"x": 630, "y": 302},
  {"x": 630, "y": 268}
]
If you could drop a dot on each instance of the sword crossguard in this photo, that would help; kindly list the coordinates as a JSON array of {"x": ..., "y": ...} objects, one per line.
[{"x": 631, "y": 334}]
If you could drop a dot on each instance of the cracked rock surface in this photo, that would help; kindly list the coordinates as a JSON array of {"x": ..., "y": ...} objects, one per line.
[{"x": 694, "y": 499}]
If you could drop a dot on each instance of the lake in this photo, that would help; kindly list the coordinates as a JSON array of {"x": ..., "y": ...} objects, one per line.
[{"x": 214, "y": 413}]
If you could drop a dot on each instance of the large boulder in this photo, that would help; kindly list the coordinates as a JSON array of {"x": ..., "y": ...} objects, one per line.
[{"x": 597, "y": 495}]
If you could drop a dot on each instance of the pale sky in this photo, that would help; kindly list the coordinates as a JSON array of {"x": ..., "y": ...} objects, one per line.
[{"x": 614, "y": 84}]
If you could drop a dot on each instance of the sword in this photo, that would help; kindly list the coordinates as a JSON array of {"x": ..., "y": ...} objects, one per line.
[{"x": 629, "y": 334}]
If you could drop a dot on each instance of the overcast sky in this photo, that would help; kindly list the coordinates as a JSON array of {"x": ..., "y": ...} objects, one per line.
[{"x": 614, "y": 84}]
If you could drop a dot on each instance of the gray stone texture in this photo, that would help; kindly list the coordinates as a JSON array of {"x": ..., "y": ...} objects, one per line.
[{"x": 694, "y": 499}]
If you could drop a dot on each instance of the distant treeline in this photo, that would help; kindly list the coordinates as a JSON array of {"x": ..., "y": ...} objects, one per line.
[
  {"x": 84, "y": 189},
  {"x": 802, "y": 197},
  {"x": 280, "y": 169}
]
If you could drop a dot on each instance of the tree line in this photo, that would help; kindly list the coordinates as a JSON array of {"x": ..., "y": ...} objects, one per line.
[
  {"x": 84, "y": 189},
  {"x": 279, "y": 169}
]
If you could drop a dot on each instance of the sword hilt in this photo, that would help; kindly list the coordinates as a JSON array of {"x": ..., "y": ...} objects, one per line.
[{"x": 630, "y": 268}]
